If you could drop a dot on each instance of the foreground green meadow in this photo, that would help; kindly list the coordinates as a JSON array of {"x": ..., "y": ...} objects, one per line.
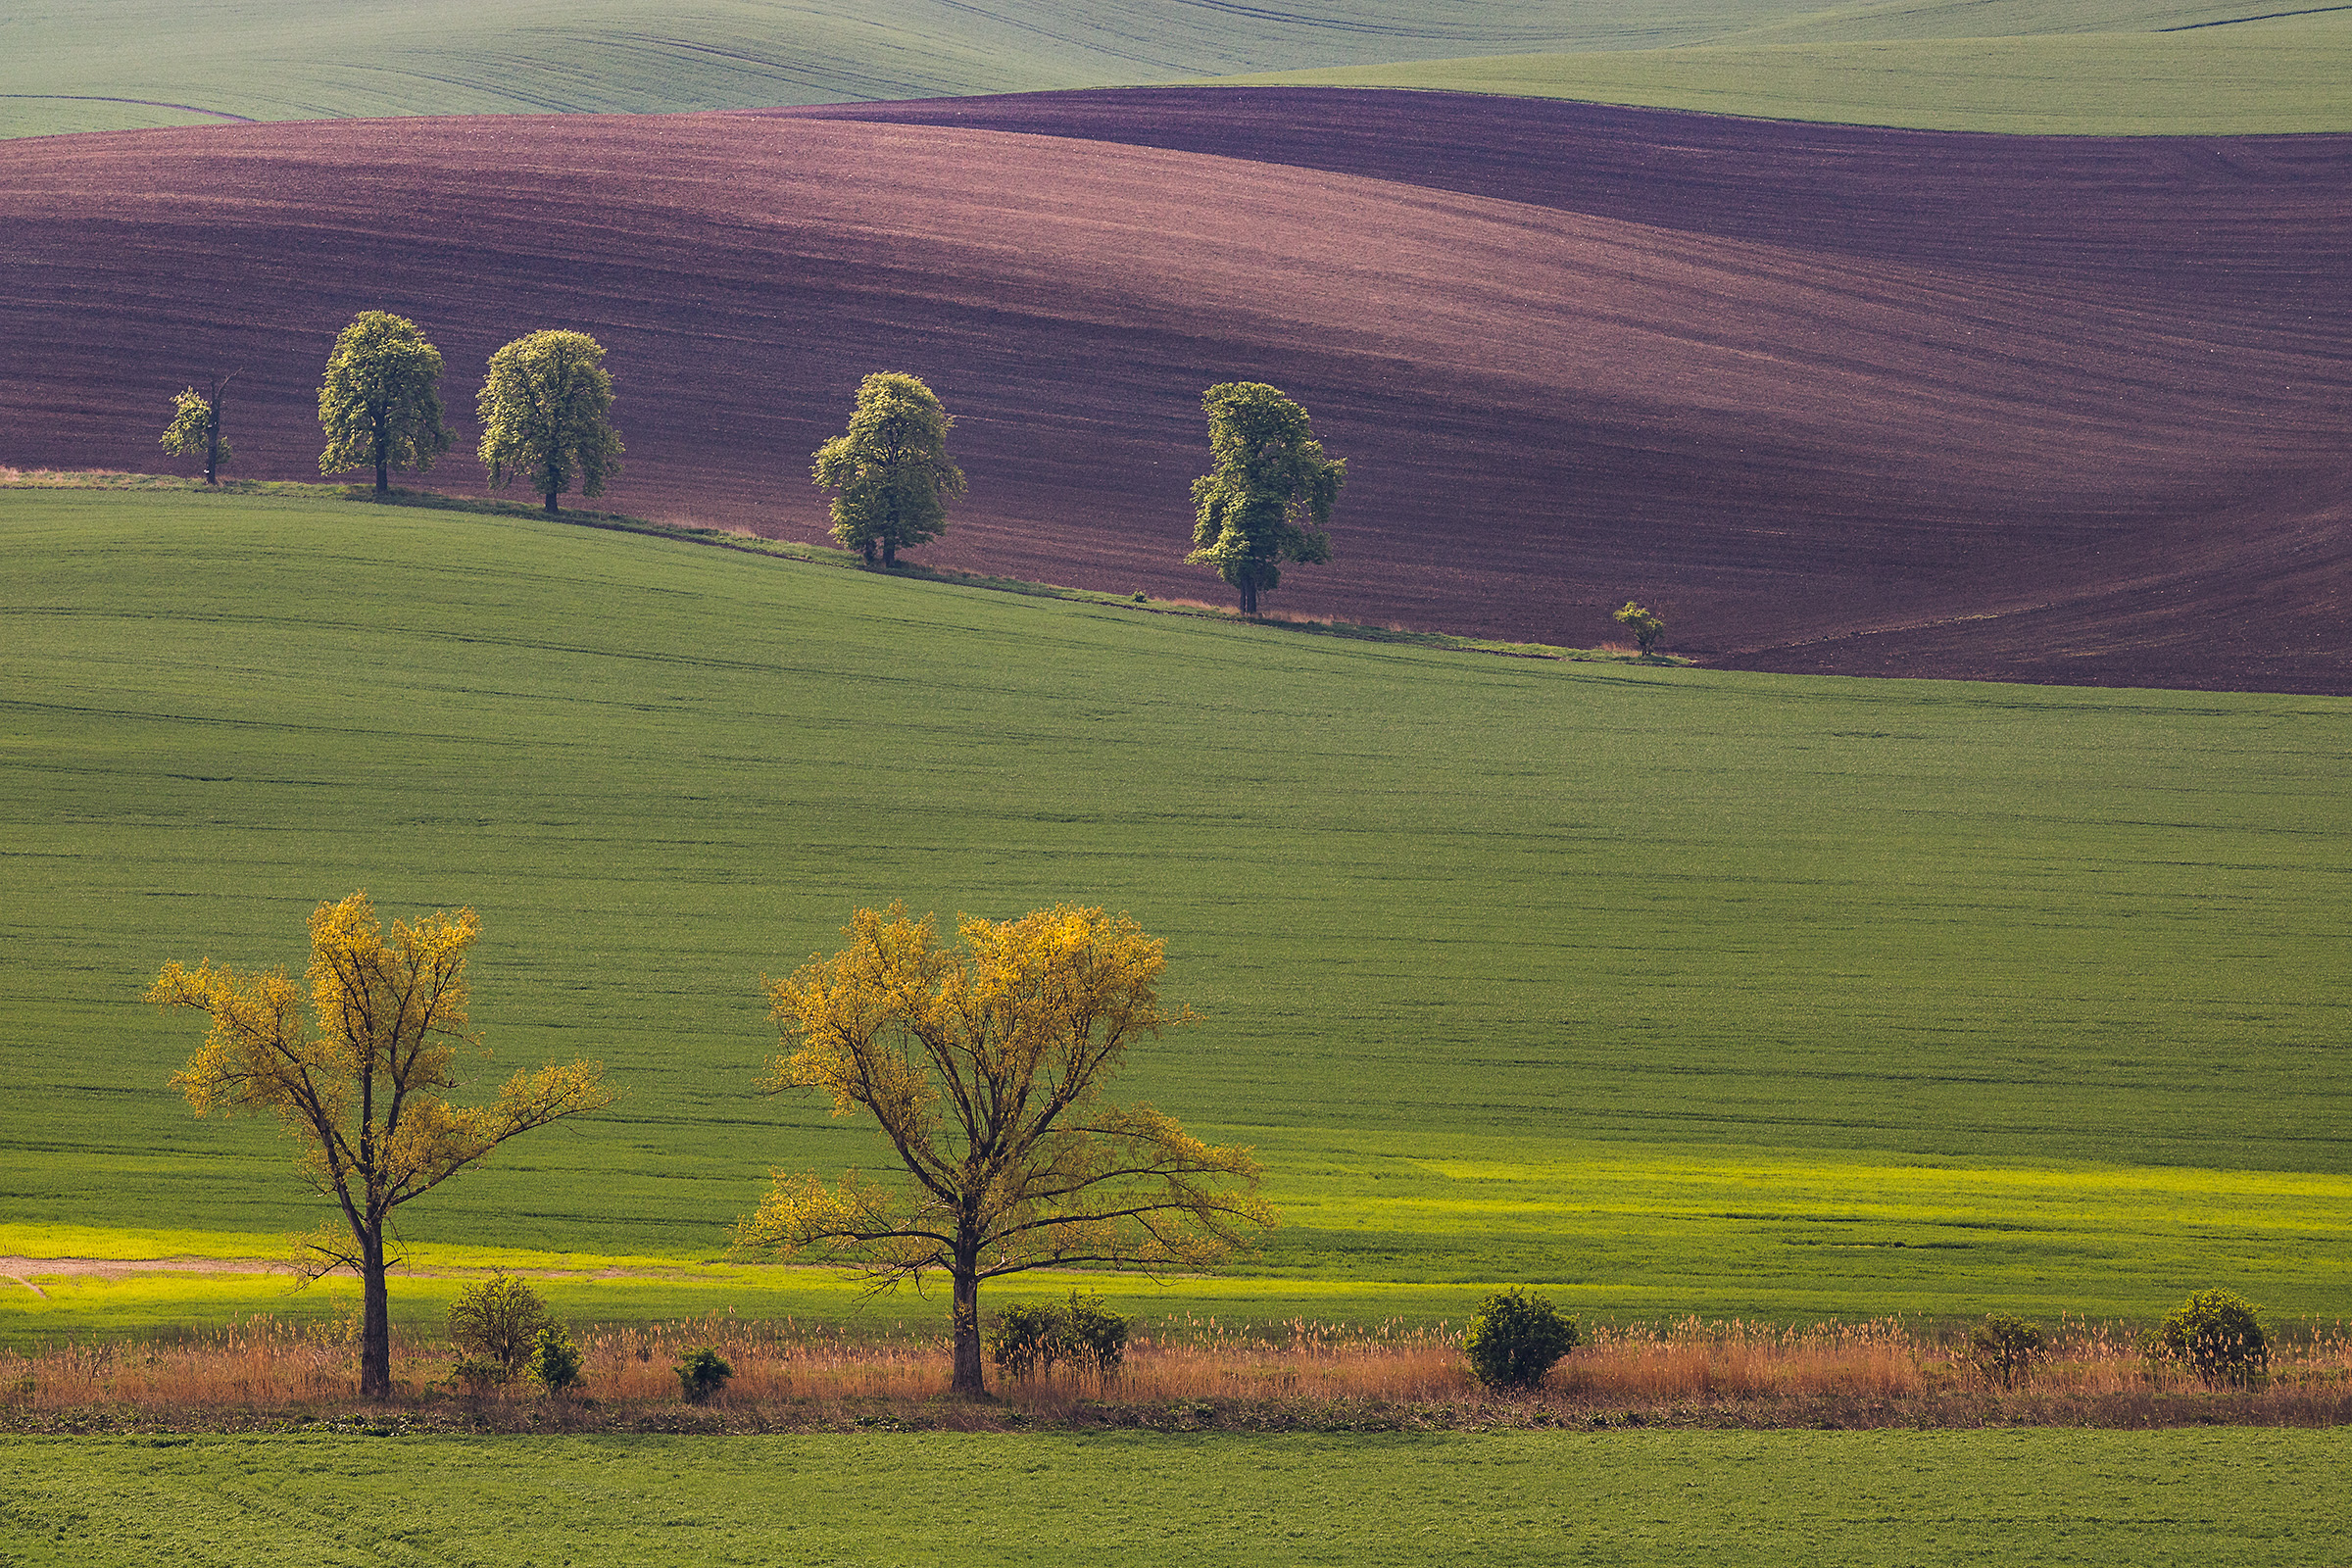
[
  {"x": 1676, "y": 990},
  {"x": 1617, "y": 1496}
]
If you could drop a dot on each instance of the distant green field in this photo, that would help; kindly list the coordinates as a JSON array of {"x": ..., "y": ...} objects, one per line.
[
  {"x": 1755, "y": 1500},
  {"x": 1679, "y": 990},
  {"x": 2103, "y": 66},
  {"x": 2275, "y": 77}
]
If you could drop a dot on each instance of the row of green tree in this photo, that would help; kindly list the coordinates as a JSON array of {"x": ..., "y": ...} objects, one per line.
[
  {"x": 545, "y": 413},
  {"x": 546, "y": 410},
  {"x": 983, "y": 1063}
]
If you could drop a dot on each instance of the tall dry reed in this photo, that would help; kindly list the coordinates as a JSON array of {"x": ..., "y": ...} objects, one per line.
[{"x": 1299, "y": 1374}]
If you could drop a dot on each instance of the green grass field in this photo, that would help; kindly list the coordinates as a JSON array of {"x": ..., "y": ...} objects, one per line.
[
  {"x": 2275, "y": 77},
  {"x": 2107, "y": 66},
  {"x": 1613, "y": 1498},
  {"x": 1679, "y": 990}
]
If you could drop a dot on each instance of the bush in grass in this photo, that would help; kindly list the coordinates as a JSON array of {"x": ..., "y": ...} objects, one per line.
[
  {"x": 555, "y": 1361},
  {"x": 476, "y": 1376},
  {"x": 701, "y": 1374},
  {"x": 494, "y": 1323},
  {"x": 1645, "y": 627},
  {"x": 1097, "y": 1336},
  {"x": 1516, "y": 1338},
  {"x": 2221, "y": 1335},
  {"x": 1029, "y": 1338},
  {"x": 2003, "y": 1349}
]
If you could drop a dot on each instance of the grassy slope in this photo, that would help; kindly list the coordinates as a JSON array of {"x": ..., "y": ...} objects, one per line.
[
  {"x": 2221, "y": 81},
  {"x": 1650, "y": 1498},
  {"x": 1692, "y": 991},
  {"x": 2058, "y": 65}
]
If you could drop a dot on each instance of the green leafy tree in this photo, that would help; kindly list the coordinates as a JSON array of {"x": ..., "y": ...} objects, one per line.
[
  {"x": 1646, "y": 628},
  {"x": 890, "y": 475},
  {"x": 380, "y": 402},
  {"x": 547, "y": 415},
  {"x": 195, "y": 428},
  {"x": 1270, "y": 497}
]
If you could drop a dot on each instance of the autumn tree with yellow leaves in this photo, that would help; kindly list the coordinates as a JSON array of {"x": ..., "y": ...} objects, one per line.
[
  {"x": 360, "y": 1084},
  {"x": 984, "y": 1067}
]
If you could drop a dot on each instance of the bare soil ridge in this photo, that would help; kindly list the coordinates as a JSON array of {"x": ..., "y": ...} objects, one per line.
[{"x": 1835, "y": 400}]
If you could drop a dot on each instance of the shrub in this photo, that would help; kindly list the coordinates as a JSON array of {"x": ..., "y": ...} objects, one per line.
[
  {"x": 555, "y": 1363},
  {"x": 2222, "y": 1336},
  {"x": 1096, "y": 1336},
  {"x": 1030, "y": 1338},
  {"x": 701, "y": 1374},
  {"x": 477, "y": 1376},
  {"x": 494, "y": 1323},
  {"x": 2003, "y": 1349},
  {"x": 1645, "y": 627},
  {"x": 1514, "y": 1339}
]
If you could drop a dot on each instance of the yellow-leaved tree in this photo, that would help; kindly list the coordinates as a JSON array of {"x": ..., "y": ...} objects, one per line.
[
  {"x": 984, "y": 1067},
  {"x": 359, "y": 1084}
]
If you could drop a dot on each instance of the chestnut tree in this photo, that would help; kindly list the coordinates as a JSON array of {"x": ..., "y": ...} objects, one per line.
[{"x": 1268, "y": 497}]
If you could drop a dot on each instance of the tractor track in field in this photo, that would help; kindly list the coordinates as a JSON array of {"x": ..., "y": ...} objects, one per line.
[{"x": 24, "y": 1271}]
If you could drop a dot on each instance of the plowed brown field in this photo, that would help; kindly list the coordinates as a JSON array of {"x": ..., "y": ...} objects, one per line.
[{"x": 1833, "y": 399}]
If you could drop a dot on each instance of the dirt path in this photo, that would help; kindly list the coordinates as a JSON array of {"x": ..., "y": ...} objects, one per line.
[
  {"x": 144, "y": 103},
  {"x": 25, "y": 1270}
]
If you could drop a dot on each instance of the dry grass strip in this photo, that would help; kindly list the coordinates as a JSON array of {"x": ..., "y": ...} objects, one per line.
[{"x": 267, "y": 1374}]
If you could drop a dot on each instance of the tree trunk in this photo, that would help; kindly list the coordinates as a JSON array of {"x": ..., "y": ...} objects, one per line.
[
  {"x": 212, "y": 439},
  {"x": 868, "y": 548},
  {"x": 890, "y": 552},
  {"x": 968, "y": 1334},
  {"x": 1248, "y": 596},
  {"x": 551, "y": 503},
  {"x": 383, "y": 477},
  {"x": 376, "y": 1328}
]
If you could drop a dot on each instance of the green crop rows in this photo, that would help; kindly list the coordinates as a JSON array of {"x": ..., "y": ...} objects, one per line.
[
  {"x": 1616, "y": 1497},
  {"x": 1679, "y": 990},
  {"x": 2107, "y": 66}
]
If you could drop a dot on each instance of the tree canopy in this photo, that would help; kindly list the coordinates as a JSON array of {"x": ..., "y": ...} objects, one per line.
[
  {"x": 380, "y": 401},
  {"x": 984, "y": 1067},
  {"x": 195, "y": 431},
  {"x": 546, "y": 410},
  {"x": 1268, "y": 498},
  {"x": 890, "y": 475},
  {"x": 361, "y": 1087}
]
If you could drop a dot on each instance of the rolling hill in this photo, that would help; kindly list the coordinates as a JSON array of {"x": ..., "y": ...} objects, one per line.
[
  {"x": 2087, "y": 65},
  {"x": 1837, "y": 400},
  {"x": 1689, "y": 990},
  {"x": 2263, "y": 74}
]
